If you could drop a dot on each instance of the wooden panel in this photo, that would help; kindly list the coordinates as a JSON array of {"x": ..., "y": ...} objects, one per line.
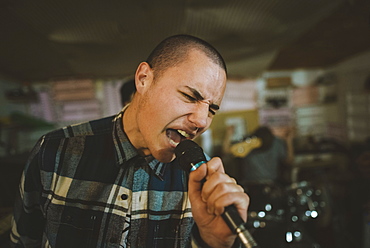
[
  {"x": 71, "y": 90},
  {"x": 279, "y": 82}
]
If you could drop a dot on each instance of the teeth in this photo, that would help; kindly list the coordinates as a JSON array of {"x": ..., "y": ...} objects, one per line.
[
  {"x": 173, "y": 142},
  {"x": 183, "y": 133}
]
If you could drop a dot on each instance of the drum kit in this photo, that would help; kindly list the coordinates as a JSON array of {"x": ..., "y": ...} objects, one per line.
[{"x": 280, "y": 217}]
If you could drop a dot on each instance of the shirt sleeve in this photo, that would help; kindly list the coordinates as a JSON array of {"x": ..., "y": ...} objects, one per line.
[{"x": 28, "y": 221}]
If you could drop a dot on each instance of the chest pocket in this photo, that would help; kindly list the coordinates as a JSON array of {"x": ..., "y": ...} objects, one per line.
[{"x": 71, "y": 227}]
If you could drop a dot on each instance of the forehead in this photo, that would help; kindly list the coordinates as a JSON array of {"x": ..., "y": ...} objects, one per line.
[{"x": 200, "y": 73}]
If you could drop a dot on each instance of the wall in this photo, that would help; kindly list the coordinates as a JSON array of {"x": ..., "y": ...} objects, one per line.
[
  {"x": 331, "y": 102},
  {"x": 345, "y": 118},
  {"x": 7, "y": 107},
  {"x": 354, "y": 96},
  {"x": 24, "y": 120},
  {"x": 9, "y": 138}
]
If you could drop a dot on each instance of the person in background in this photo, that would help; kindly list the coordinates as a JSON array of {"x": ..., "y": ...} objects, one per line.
[
  {"x": 115, "y": 182},
  {"x": 127, "y": 91},
  {"x": 264, "y": 163},
  {"x": 261, "y": 173}
]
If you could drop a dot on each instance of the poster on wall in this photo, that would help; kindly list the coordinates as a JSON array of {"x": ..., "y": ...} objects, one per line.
[
  {"x": 276, "y": 117},
  {"x": 239, "y": 126},
  {"x": 73, "y": 90},
  {"x": 305, "y": 96},
  {"x": 239, "y": 96}
]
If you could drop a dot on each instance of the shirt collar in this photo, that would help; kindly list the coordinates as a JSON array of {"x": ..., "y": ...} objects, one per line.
[{"x": 126, "y": 151}]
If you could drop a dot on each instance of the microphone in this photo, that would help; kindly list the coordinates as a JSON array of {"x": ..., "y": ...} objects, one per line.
[{"x": 191, "y": 156}]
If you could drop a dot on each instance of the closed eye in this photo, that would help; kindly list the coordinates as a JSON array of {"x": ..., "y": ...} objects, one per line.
[
  {"x": 188, "y": 97},
  {"x": 193, "y": 100}
]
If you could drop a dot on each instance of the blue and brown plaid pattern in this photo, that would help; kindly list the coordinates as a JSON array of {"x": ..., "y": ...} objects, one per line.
[{"x": 85, "y": 186}]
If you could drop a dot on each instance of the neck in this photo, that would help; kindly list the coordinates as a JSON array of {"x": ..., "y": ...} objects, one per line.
[{"x": 132, "y": 131}]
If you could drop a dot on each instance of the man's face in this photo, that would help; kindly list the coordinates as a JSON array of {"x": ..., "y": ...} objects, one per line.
[{"x": 180, "y": 104}]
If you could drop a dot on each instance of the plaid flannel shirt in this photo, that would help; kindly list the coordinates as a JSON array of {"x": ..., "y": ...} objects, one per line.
[{"x": 85, "y": 186}]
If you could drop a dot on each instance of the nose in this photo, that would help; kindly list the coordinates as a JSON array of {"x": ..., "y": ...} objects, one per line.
[{"x": 200, "y": 115}]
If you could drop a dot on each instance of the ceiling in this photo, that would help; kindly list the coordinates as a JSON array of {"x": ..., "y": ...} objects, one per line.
[{"x": 49, "y": 40}]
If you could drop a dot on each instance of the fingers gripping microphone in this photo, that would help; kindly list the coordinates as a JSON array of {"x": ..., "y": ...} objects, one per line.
[{"x": 190, "y": 156}]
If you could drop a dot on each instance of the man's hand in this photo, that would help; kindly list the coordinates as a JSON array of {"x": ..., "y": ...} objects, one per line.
[{"x": 209, "y": 199}]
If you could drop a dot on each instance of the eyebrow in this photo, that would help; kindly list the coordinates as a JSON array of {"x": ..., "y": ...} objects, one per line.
[{"x": 199, "y": 97}]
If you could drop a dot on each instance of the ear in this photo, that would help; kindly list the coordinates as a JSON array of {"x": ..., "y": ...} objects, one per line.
[{"x": 143, "y": 77}]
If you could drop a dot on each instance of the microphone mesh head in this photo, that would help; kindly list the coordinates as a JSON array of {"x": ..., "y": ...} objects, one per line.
[{"x": 189, "y": 153}]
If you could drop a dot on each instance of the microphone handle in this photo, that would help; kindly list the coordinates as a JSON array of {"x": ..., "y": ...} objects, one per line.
[
  {"x": 191, "y": 156},
  {"x": 237, "y": 226},
  {"x": 233, "y": 220}
]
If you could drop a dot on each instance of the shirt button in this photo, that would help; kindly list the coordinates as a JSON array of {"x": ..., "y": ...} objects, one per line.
[{"x": 124, "y": 197}]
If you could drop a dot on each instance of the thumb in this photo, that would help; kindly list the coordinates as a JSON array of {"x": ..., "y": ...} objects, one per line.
[{"x": 196, "y": 180}]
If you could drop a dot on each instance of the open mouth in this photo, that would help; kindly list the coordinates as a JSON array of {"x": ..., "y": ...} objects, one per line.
[{"x": 176, "y": 136}]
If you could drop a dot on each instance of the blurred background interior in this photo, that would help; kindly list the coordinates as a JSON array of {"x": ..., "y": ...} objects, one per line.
[{"x": 299, "y": 67}]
